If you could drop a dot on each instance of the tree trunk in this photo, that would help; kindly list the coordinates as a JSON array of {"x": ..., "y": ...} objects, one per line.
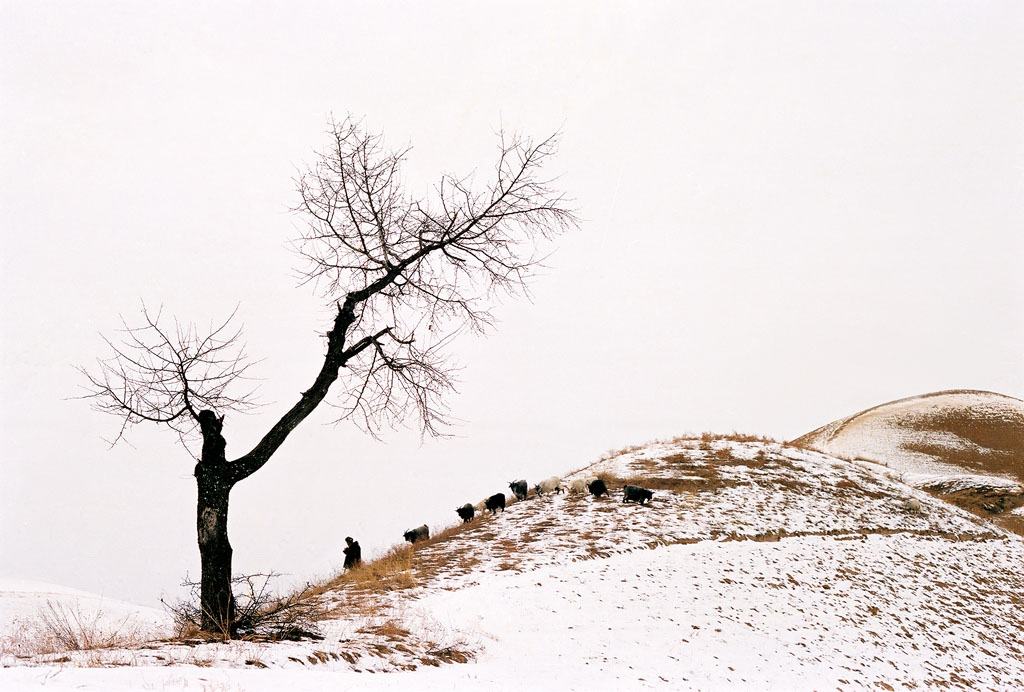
[
  {"x": 216, "y": 599},
  {"x": 214, "y": 484}
]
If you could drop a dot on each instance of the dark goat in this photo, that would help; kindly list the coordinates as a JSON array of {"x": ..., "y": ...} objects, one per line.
[
  {"x": 634, "y": 493},
  {"x": 519, "y": 489},
  {"x": 495, "y": 501},
  {"x": 466, "y": 511},
  {"x": 597, "y": 488},
  {"x": 413, "y": 535}
]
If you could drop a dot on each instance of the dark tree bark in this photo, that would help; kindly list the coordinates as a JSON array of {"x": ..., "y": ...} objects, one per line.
[
  {"x": 405, "y": 276},
  {"x": 213, "y": 484}
]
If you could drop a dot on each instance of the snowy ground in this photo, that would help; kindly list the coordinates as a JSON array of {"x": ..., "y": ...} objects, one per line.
[{"x": 755, "y": 567}]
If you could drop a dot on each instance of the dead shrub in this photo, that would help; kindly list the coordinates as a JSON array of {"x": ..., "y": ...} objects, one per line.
[
  {"x": 260, "y": 615},
  {"x": 61, "y": 627},
  {"x": 72, "y": 630}
]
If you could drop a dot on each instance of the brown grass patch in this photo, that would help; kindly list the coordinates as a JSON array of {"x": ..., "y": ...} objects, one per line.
[
  {"x": 389, "y": 629},
  {"x": 707, "y": 438},
  {"x": 723, "y": 453},
  {"x": 699, "y": 478},
  {"x": 997, "y": 434},
  {"x": 681, "y": 459},
  {"x": 391, "y": 572},
  {"x": 994, "y": 504},
  {"x": 984, "y": 460},
  {"x": 747, "y": 437},
  {"x": 450, "y": 655},
  {"x": 404, "y": 565}
]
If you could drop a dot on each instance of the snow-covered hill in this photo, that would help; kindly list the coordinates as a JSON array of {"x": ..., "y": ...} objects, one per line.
[
  {"x": 756, "y": 566},
  {"x": 24, "y": 605},
  {"x": 967, "y": 446}
]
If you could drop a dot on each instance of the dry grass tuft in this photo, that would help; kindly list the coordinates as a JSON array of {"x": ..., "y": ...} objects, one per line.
[
  {"x": 706, "y": 439},
  {"x": 612, "y": 453},
  {"x": 64, "y": 627},
  {"x": 389, "y": 629},
  {"x": 404, "y": 566},
  {"x": 391, "y": 572},
  {"x": 723, "y": 453}
]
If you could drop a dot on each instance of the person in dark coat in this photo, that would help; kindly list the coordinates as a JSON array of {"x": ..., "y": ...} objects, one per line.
[{"x": 353, "y": 553}]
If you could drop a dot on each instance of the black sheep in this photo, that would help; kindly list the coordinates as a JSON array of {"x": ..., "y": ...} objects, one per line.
[
  {"x": 413, "y": 535},
  {"x": 634, "y": 493},
  {"x": 495, "y": 501},
  {"x": 467, "y": 512},
  {"x": 519, "y": 489}
]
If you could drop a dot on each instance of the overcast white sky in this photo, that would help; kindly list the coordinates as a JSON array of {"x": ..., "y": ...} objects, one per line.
[{"x": 792, "y": 211}]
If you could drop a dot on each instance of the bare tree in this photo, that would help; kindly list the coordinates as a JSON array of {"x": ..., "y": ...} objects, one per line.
[{"x": 404, "y": 276}]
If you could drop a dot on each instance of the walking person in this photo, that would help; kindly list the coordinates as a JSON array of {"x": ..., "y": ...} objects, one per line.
[{"x": 353, "y": 553}]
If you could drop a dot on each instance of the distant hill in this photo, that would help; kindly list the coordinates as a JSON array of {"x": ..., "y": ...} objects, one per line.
[
  {"x": 33, "y": 612},
  {"x": 965, "y": 445}
]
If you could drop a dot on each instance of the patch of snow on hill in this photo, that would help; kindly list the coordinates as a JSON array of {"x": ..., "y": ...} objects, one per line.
[{"x": 805, "y": 613}]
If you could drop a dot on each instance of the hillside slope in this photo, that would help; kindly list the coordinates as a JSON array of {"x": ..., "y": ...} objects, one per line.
[
  {"x": 755, "y": 566},
  {"x": 965, "y": 445},
  {"x": 25, "y": 604}
]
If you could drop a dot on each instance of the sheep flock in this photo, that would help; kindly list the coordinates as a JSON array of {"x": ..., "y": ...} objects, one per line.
[{"x": 520, "y": 491}]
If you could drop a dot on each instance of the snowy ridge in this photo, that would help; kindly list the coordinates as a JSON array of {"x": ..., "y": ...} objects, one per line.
[
  {"x": 965, "y": 445},
  {"x": 755, "y": 566},
  {"x": 895, "y": 433}
]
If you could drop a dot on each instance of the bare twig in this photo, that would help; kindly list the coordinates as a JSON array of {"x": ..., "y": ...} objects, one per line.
[{"x": 167, "y": 374}]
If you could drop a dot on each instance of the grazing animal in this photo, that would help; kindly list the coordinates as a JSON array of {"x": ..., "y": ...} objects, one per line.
[
  {"x": 466, "y": 511},
  {"x": 481, "y": 507},
  {"x": 578, "y": 486},
  {"x": 519, "y": 489},
  {"x": 553, "y": 484},
  {"x": 634, "y": 493},
  {"x": 420, "y": 532},
  {"x": 913, "y": 505},
  {"x": 495, "y": 501},
  {"x": 597, "y": 487}
]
